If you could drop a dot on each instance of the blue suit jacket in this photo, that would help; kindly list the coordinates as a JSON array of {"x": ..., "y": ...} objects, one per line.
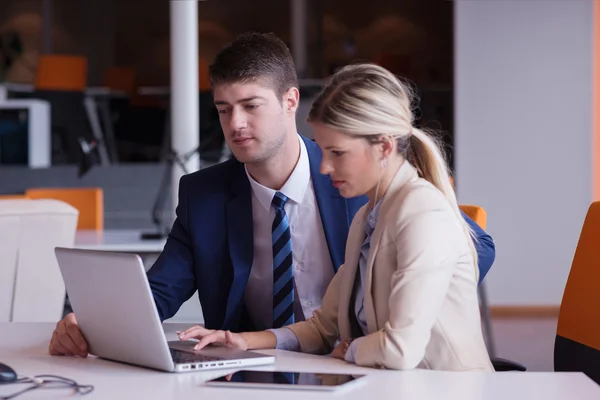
[{"x": 210, "y": 247}]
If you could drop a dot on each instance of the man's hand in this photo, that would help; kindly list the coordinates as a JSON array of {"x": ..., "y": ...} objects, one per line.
[
  {"x": 67, "y": 339},
  {"x": 209, "y": 336}
]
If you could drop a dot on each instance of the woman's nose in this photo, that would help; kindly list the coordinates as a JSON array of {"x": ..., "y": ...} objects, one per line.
[{"x": 325, "y": 168}]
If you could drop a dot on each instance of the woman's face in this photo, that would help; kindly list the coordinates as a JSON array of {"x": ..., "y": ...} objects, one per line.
[{"x": 353, "y": 164}]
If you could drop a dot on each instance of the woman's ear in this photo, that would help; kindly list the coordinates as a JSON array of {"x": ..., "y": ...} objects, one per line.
[{"x": 387, "y": 147}]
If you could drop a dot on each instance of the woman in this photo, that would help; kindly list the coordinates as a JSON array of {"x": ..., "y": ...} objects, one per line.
[{"x": 406, "y": 296}]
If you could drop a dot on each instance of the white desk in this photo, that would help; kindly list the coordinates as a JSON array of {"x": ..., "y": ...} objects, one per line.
[
  {"x": 24, "y": 348},
  {"x": 129, "y": 241}
]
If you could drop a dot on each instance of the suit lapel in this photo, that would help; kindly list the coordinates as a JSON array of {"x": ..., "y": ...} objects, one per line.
[
  {"x": 240, "y": 235},
  {"x": 332, "y": 207},
  {"x": 368, "y": 293},
  {"x": 405, "y": 173},
  {"x": 346, "y": 305}
]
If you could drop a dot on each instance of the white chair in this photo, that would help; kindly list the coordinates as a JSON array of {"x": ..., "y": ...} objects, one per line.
[{"x": 31, "y": 285}]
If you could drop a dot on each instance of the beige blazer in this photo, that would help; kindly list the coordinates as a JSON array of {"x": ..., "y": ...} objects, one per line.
[{"x": 420, "y": 298}]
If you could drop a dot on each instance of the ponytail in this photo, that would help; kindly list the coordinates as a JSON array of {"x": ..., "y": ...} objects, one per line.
[
  {"x": 366, "y": 100},
  {"x": 424, "y": 154}
]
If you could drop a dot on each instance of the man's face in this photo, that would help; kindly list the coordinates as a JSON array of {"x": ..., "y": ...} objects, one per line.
[{"x": 253, "y": 119}]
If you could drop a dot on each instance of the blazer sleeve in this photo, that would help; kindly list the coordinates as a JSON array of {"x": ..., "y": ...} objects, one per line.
[
  {"x": 172, "y": 279},
  {"x": 427, "y": 252},
  {"x": 318, "y": 334},
  {"x": 484, "y": 244}
]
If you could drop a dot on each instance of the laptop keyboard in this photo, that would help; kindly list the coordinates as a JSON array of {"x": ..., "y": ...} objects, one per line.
[{"x": 182, "y": 357}]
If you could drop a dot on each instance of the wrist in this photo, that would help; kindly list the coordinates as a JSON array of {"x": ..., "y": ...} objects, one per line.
[
  {"x": 259, "y": 340},
  {"x": 346, "y": 345},
  {"x": 349, "y": 354}
]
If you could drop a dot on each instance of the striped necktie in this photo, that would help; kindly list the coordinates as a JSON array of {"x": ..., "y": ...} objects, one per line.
[{"x": 283, "y": 273}]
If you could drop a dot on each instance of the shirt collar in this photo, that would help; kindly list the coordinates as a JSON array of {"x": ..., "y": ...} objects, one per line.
[
  {"x": 294, "y": 188},
  {"x": 372, "y": 219}
]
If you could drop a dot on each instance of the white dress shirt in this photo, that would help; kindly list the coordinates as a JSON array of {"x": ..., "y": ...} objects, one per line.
[
  {"x": 313, "y": 269},
  {"x": 287, "y": 340}
]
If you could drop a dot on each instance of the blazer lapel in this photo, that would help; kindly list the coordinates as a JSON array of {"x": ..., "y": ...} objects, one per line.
[
  {"x": 240, "y": 234},
  {"x": 346, "y": 305},
  {"x": 405, "y": 174},
  {"x": 332, "y": 207}
]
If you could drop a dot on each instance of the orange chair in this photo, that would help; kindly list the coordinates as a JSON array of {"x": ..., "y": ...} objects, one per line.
[
  {"x": 89, "y": 202},
  {"x": 577, "y": 344},
  {"x": 479, "y": 215},
  {"x": 476, "y": 213},
  {"x": 12, "y": 196},
  {"x": 61, "y": 81},
  {"x": 61, "y": 72}
]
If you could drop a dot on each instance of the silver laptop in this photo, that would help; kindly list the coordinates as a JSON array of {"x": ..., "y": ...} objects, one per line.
[{"x": 111, "y": 298}]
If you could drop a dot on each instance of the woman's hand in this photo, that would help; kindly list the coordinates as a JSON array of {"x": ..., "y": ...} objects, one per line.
[
  {"x": 341, "y": 349},
  {"x": 210, "y": 336}
]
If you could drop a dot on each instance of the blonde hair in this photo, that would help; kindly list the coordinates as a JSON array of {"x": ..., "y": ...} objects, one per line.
[{"x": 369, "y": 101}]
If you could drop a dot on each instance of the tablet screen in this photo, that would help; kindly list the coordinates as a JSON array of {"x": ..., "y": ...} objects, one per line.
[{"x": 300, "y": 380}]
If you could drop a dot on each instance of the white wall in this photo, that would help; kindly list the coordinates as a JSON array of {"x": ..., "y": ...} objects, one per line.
[{"x": 523, "y": 73}]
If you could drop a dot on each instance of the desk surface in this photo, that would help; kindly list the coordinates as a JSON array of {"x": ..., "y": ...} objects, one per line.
[
  {"x": 24, "y": 348},
  {"x": 117, "y": 240}
]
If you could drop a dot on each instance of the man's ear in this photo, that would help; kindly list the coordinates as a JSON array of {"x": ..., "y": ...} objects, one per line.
[{"x": 291, "y": 100}]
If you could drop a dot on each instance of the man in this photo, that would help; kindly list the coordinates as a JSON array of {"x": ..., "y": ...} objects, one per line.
[{"x": 223, "y": 243}]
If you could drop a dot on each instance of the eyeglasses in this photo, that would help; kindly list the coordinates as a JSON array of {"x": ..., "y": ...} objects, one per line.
[{"x": 48, "y": 382}]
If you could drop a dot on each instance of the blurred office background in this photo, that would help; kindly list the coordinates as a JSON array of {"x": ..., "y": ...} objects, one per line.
[
  {"x": 510, "y": 86},
  {"x": 117, "y": 56}
]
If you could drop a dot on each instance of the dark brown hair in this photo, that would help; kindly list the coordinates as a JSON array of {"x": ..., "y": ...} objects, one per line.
[{"x": 253, "y": 56}]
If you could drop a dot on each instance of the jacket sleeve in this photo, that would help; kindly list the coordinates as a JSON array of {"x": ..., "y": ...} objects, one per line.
[
  {"x": 318, "y": 334},
  {"x": 426, "y": 257},
  {"x": 484, "y": 244},
  {"x": 172, "y": 279}
]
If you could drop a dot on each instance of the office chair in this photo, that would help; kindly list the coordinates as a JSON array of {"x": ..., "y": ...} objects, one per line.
[
  {"x": 479, "y": 215},
  {"x": 577, "y": 344},
  {"x": 61, "y": 80},
  {"x": 88, "y": 201}
]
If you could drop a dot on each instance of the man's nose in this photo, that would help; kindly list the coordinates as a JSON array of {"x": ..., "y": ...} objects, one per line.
[{"x": 238, "y": 120}]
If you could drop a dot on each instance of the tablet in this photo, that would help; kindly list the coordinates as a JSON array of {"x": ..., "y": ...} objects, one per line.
[{"x": 287, "y": 380}]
